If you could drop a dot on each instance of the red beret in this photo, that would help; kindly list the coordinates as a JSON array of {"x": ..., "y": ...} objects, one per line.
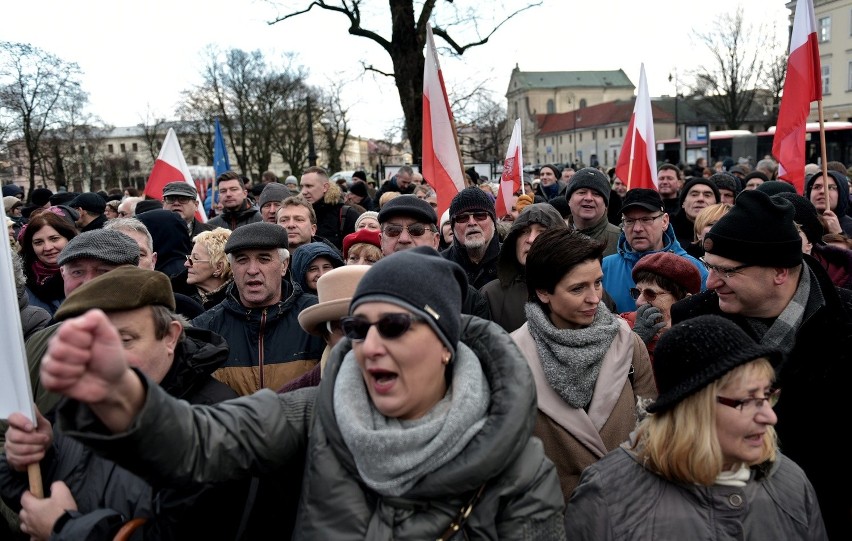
[
  {"x": 676, "y": 268},
  {"x": 368, "y": 236}
]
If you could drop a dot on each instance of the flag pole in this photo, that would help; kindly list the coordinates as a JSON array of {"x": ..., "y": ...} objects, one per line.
[
  {"x": 823, "y": 153},
  {"x": 34, "y": 476}
]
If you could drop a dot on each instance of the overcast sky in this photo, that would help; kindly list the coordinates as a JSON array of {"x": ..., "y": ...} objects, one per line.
[{"x": 137, "y": 55}]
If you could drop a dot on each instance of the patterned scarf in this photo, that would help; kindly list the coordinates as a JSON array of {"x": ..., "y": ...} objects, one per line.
[
  {"x": 571, "y": 358},
  {"x": 782, "y": 332},
  {"x": 43, "y": 272},
  {"x": 392, "y": 455}
]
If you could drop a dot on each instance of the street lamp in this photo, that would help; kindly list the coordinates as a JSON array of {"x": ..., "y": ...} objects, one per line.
[
  {"x": 677, "y": 130},
  {"x": 312, "y": 151}
]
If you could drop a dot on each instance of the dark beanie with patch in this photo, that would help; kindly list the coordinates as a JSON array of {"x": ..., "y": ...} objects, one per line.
[
  {"x": 758, "y": 230},
  {"x": 438, "y": 297},
  {"x": 589, "y": 177},
  {"x": 472, "y": 199}
]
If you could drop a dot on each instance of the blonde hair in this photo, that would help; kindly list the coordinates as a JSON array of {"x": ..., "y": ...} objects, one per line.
[
  {"x": 709, "y": 216},
  {"x": 214, "y": 241},
  {"x": 387, "y": 196},
  {"x": 369, "y": 251},
  {"x": 681, "y": 444}
]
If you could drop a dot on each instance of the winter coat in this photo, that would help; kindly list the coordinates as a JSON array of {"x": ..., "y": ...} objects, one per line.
[
  {"x": 574, "y": 438},
  {"x": 602, "y": 231},
  {"x": 48, "y": 295},
  {"x": 814, "y": 379},
  {"x": 618, "y": 268},
  {"x": 33, "y": 317},
  {"x": 171, "y": 240},
  {"x": 174, "y": 443},
  {"x": 617, "y": 498},
  {"x": 108, "y": 495},
  {"x": 304, "y": 255},
  {"x": 837, "y": 262},
  {"x": 268, "y": 347},
  {"x": 195, "y": 227},
  {"x": 247, "y": 214},
  {"x": 478, "y": 274},
  {"x": 335, "y": 220}
]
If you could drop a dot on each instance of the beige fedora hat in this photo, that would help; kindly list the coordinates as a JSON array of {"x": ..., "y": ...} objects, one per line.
[{"x": 334, "y": 289}]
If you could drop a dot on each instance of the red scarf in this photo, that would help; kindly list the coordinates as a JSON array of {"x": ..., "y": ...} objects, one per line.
[{"x": 43, "y": 272}]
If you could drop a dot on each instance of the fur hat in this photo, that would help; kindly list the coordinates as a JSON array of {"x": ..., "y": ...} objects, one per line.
[
  {"x": 257, "y": 236},
  {"x": 806, "y": 216},
  {"x": 589, "y": 177},
  {"x": 125, "y": 288},
  {"x": 758, "y": 230},
  {"x": 696, "y": 352},
  {"x": 101, "y": 244},
  {"x": 90, "y": 202},
  {"x": 676, "y": 268},
  {"x": 441, "y": 289},
  {"x": 472, "y": 199},
  {"x": 273, "y": 193},
  {"x": 180, "y": 188},
  {"x": 410, "y": 206},
  {"x": 365, "y": 236},
  {"x": 334, "y": 290}
]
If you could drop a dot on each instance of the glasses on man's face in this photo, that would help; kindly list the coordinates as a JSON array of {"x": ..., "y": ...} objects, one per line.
[
  {"x": 645, "y": 221},
  {"x": 650, "y": 294},
  {"x": 123, "y": 213},
  {"x": 177, "y": 199},
  {"x": 395, "y": 230},
  {"x": 727, "y": 272},
  {"x": 390, "y": 326},
  {"x": 753, "y": 404},
  {"x": 193, "y": 260},
  {"x": 464, "y": 217}
]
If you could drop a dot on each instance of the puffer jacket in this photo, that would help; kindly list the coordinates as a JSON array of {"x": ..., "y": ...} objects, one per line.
[
  {"x": 173, "y": 443},
  {"x": 618, "y": 268},
  {"x": 107, "y": 495},
  {"x": 617, "y": 498},
  {"x": 268, "y": 347},
  {"x": 247, "y": 214}
]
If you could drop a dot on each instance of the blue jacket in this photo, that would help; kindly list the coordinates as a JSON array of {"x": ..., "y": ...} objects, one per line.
[{"x": 618, "y": 268}]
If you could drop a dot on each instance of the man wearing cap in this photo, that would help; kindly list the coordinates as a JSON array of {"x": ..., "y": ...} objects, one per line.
[
  {"x": 270, "y": 200},
  {"x": 550, "y": 183},
  {"x": 588, "y": 198},
  {"x": 357, "y": 195},
  {"x": 407, "y": 222},
  {"x": 181, "y": 198},
  {"x": 259, "y": 316},
  {"x": 645, "y": 230},
  {"x": 90, "y": 206},
  {"x": 475, "y": 245},
  {"x": 237, "y": 208},
  {"x": 760, "y": 280},
  {"x": 93, "y": 494}
]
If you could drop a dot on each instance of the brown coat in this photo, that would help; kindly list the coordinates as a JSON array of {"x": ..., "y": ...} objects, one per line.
[{"x": 574, "y": 439}]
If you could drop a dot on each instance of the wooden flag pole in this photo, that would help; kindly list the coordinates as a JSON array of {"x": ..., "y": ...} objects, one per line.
[
  {"x": 34, "y": 475},
  {"x": 823, "y": 154}
]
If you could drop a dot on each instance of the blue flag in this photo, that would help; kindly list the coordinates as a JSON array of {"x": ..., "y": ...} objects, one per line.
[{"x": 221, "y": 163}]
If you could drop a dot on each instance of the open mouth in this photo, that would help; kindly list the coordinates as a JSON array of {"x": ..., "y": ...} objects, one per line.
[{"x": 382, "y": 380}]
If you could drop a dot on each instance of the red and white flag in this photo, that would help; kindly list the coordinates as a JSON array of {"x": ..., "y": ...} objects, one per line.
[
  {"x": 802, "y": 86},
  {"x": 442, "y": 167},
  {"x": 637, "y": 160},
  {"x": 513, "y": 170},
  {"x": 170, "y": 167}
]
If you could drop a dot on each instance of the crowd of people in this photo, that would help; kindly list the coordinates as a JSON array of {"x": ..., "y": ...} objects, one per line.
[{"x": 333, "y": 360}]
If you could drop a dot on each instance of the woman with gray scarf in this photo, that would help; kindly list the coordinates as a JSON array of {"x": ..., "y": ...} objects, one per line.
[
  {"x": 420, "y": 428},
  {"x": 592, "y": 373}
]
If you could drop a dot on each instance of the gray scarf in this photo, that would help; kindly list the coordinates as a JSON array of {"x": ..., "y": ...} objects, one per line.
[
  {"x": 571, "y": 358},
  {"x": 782, "y": 332},
  {"x": 392, "y": 455}
]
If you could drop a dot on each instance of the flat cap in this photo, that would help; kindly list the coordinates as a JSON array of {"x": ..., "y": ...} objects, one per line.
[
  {"x": 103, "y": 244},
  {"x": 89, "y": 201},
  {"x": 410, "y": 206},
  {"x": 180, "y": 188},
  {"x": 119, "y": 290},
  {"x": 257, "y": 236}
]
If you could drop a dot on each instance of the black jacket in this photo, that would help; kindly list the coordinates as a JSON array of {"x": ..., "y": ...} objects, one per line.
[
  {"x": 478, "y": 274},
  {"x": 335, "y": 221}
]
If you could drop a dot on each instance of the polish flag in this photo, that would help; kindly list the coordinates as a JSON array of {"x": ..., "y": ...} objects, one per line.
[
  {"x": 637, "y": 160},
  {"x": 513, "y": 170},
  {"x": 169, "y": 167},
  {"x": 442, "y": 167},
  {"x": 802, "y": 86}
]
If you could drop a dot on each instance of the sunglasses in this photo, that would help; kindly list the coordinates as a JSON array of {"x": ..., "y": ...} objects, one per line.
[
  {"x": 395, "y": 230},
  {"x": 650, "y": 294},
  {"x": 464, "y": 217},
  {"x": 390, "y": 326}
]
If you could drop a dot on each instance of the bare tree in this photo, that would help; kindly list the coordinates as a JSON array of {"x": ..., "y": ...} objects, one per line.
[
  {"x": 728, "y": 86},
  {"x": 292, "y": 140},
  {"x": 335, "y": 127},
  {"x": 483, "y": 120},
  {"x": 154, "y": 130},
  {"x": 35, "y": 87},
  {"x": 408, "y": 38}
]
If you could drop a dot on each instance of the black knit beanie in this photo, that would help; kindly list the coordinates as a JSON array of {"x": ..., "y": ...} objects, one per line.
[
  {"x": 695, "y": 181},
  {"x": 726, "y": 181},
  {"x": 589, "y": 177},
  {"x": 774, "y": 187},
  {"x": 472, "y": 199},
  {"x": 806, "y": 216},
  {"x": 441, "y": 289},
  {"x": 698, "y": 351},
  {"x": 758, "y": 230}
]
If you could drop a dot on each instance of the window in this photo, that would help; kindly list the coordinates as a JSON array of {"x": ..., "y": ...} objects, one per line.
[
  {"x": 824, "y": 29},
  {"x": 551, "y": 107},
  {"x": 136, "y": 165},
  {"x": 594, "y": 135},
  {"x": 849, "y": 78},
  {"x": 123, "y": 148},
  {"x": 582, "y": 103},
  {"x": 110, "y": 149},
  {"x": 621, "y": 132},
  {"x": 826, "y": 79},
  {"x": 195, "y": 160},
  {"x": 581, "y": 137},
  {"x": 135, "y": 147}
]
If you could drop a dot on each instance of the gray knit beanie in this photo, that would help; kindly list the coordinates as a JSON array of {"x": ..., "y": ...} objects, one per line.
[
  {"x": 441, "y": 289},
  {"x": 103, "y": 244},
  {"x": 589, "y": 177},
  {"x": 273, "y": 193}
]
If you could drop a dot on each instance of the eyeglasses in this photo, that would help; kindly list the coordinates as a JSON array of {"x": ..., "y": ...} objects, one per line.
[
  {"x": 123, "y": 213},
  {"x": 649, "y": 293},
  {"x": 727, "y": 272},
  {"x": 192, "y": 261},
  {"x": 464, "y": 217},
  {"x": 177, "y": 199},
  {"x": 751, "y": 404},
  {"x": 395, "y": 230},
  {"x": 390, "y": 326},
  {"x": 646, "y": 221}
]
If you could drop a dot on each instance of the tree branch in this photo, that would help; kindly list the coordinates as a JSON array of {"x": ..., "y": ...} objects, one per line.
[
  {"x": 460, "y": 49},
  {"x": 351, "y": 11}
]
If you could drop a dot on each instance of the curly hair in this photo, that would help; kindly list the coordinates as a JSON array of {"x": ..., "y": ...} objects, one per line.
[{"x": 214, "y": 241}]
